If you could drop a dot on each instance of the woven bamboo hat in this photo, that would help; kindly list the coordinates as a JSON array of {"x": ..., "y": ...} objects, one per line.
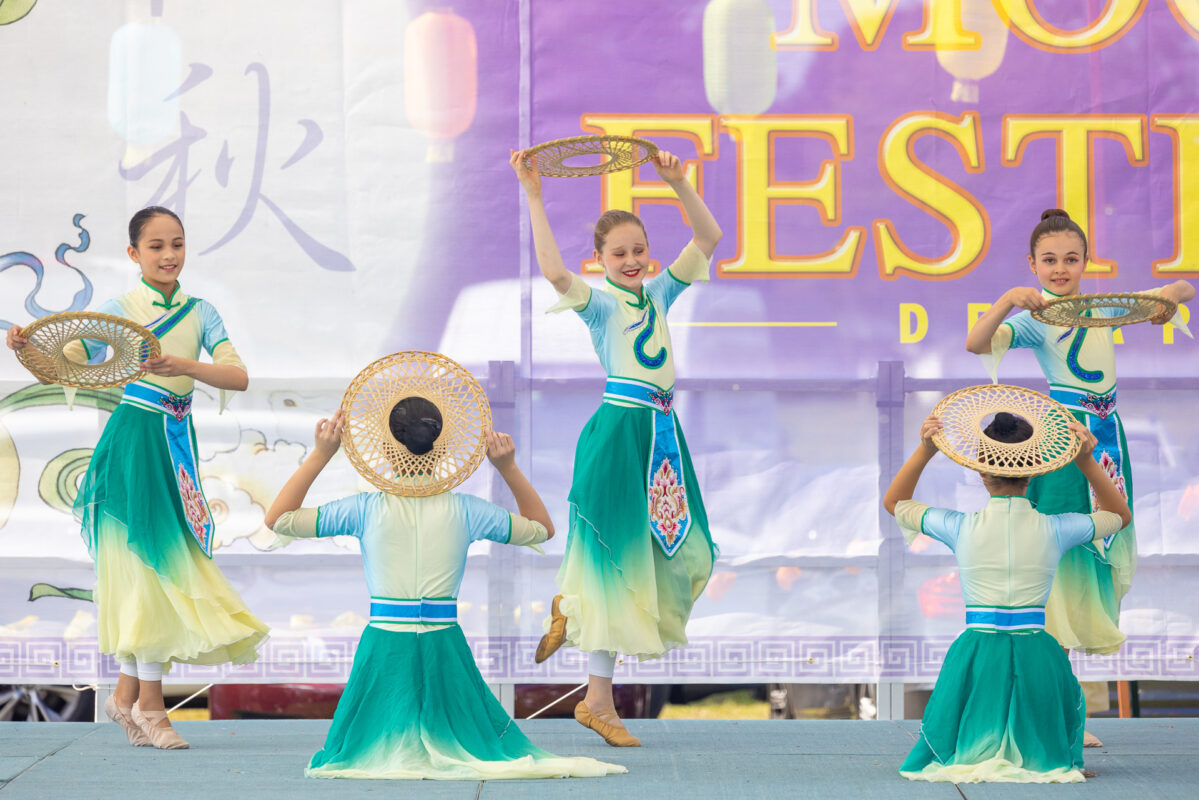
[
  {"x": 380, "y": 457},
  {"x": 1115, "y": 309},
  {"x": 128, "y": 345},
  {"x": 966, "y": 412}
]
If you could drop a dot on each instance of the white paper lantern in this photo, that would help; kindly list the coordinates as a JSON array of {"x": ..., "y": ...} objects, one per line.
[
  {"x": 968, "y": 67},
  {"x": 145, "y": 66},
  {"x": 740, "y": 67}
]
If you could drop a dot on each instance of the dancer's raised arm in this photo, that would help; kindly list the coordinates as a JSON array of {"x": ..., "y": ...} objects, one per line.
[
  {"x": 549, "y": 258},
  {"x": 705, "y": 232}
]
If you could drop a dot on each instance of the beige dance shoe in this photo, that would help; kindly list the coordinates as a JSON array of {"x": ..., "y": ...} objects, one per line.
[
  {"x": 615, "y": 735},
  {"x": 121, "y": 717},
  {"x": 163, "y": 738},
  {"x": 555, "y": 636}
]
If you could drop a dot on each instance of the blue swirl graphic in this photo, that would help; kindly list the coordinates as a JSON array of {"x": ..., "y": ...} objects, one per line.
[{"x": 34, "y": 264}]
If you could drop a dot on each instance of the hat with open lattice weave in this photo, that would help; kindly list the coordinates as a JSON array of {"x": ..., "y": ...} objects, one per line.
[
  {"x": 127, "y": 344},
  {"x": 384, "y": 461},
  {"x": 966, "y": 412}
]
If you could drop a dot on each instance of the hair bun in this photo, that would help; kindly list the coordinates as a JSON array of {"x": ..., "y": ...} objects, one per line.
[{"x": 1053, "y": 212}]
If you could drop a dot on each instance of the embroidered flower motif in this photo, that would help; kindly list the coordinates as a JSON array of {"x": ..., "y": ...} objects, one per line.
[
  {"x": 667, "y": 502},
  {"x": 178, "y": 407},
  {"x": 193, "y": 504},
  {"x": 1113, "y": 472},
  {"x": 1098, "y": 404},
  {"x": 663, "y": 399}
]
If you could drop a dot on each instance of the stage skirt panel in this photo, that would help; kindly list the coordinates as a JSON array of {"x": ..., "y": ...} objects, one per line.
[
  {"x": 416, "y": 707},
  {"x": 1006, "y": 708}
]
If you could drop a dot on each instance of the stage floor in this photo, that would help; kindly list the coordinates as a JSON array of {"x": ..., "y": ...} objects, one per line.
[{"x": 691, "y": 759}]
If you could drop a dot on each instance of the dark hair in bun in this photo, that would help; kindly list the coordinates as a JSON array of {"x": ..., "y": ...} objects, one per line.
[
  {"x": 415, "y": 423},
  {"x": 1008, "y": 428},
  {"x": 1054, "y": 220}
]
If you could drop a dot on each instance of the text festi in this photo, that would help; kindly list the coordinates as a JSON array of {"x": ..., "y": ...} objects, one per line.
[{"x": 759, "y": 195}]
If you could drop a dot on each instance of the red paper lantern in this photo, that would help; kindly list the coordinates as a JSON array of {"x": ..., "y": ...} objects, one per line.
[{"x": 440, "y": 78}]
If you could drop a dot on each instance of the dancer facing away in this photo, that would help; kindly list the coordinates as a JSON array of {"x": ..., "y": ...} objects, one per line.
[
  {"x": 415, "y": 705},
  {"x": 1083, "y": 612},
  {"x": 1006, "y": 706},
  {"x": 159, "y": 597},
  {"x": 638, "y": 553}
]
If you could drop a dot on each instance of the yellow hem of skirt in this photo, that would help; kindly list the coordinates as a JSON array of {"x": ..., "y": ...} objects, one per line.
[
  {"x": 142, "y": 615},
  {"x": 993, "y": 770}
]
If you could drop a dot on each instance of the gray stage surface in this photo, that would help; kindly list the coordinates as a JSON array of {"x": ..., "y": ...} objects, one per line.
[{"x": 688, "y": 759}]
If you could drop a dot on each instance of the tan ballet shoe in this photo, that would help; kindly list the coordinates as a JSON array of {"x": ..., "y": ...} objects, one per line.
[
  {"x": 615, "y": 735},
  {"x": 1090, "y": 740},
  {"x": 121, "y": 717},
  {"x": 164, "y": 738},
  {"x": 556, "y": 635}
]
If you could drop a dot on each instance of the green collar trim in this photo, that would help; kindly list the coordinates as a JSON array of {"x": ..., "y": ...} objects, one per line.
[
  {"x": 166, "y": 300},
  {"x": 1009, "y": 497},
  {"x": 1045, "y": 291},
  {"x": 640, "y": 298}
]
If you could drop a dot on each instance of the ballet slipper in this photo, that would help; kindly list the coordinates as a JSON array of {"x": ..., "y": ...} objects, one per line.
[
  {"x": 121, "y": 717},
  {"x": 164, "y": 738},
  {"x": 1090, "y": 740},
  {"x": 615, "y": 735},
  {"x": 555, "y": 636}
]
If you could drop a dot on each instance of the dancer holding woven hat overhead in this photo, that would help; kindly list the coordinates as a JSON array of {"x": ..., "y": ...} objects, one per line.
[
  {"x": 639, "y": 552},
  {"x": 1006, "y": 706},
  {"x": 1079, "y": 362},
  {"x": 415, "y": 706},
  {"x": 159, "y": 597}
]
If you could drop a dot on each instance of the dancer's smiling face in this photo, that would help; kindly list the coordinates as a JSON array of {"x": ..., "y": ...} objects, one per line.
[
  {"x": 160, "y": 252},
  {"x": 625, "y": 256},
  {"x": 1059, "y": 261}
]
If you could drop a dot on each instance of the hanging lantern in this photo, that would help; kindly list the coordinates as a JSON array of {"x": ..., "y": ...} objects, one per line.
[
  {"x": 968, "y": 67},
  {"x": 740, "y": 67},
  {"x": 145, "y": 66},
  {"x": 441, "y": 76}
]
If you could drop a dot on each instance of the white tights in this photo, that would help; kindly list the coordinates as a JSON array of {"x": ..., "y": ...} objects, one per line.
[
  {"x": 601, "y": 664},
  {"x": 142, "y": 670}
]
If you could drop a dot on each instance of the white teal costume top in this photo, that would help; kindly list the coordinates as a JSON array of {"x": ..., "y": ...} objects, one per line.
[
  {"x": 1007, "y": 553},
  {"x": 629, "y": 333},
  {"x": 413, "y": 548}
]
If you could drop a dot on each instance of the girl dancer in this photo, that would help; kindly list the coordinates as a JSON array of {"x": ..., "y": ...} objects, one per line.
[
  {"x": 415, "y": 705},
  {"x": 159, "y": 596},
  {"x": 638, "y": 553},
  {"x": 1084, "y": 607},
  {"x": 1006, "y": 706}
]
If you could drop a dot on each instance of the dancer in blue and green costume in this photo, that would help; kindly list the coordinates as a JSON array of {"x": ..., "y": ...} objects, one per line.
[
  {"x": 1006, "y": 706},
  {"x": 1083, "y": 612},
  {"x": 415, "y": 705},
  {"x": 639, "y": 552},
  {"x": 159, "y": 596}
]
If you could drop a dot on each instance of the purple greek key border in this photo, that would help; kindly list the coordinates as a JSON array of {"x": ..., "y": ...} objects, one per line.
[{"x": 803, "y": 659}]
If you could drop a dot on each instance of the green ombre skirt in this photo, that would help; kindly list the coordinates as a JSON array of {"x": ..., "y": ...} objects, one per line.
[
  {"x": 416, "y": 707},
  {"x": 1007, "y": 708},
  {"x": 159, "y": 598},
  {"x": 620, "y": 592},
  {"x": 1083, "y": 611}
]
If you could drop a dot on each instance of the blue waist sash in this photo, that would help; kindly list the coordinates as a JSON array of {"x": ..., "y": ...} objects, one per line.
[
  {"x": 1029, "y": 618},
  {"x": 666, "y": 492},
  {"x": 177, "y": 431},
  {"x": 442, "y": 611},
  {"x": 1101, "y": 405}
]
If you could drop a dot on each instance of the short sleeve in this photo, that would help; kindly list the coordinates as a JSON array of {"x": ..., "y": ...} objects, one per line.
[
  {"x": 345, "y": 517},
  {"x": 691, "y": 266},
  {"x": 526, "y": 531},
  {"x": 298, "y": 524},
  {"x": 1025, "y": 331},
  {"x": 939, "y": 523},
  {"x": 576, "y": 298},
  {"x": 213, "y": 328},
  {"x": 1075, "y": 529},
  {"x": 485, "y": 520}
]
